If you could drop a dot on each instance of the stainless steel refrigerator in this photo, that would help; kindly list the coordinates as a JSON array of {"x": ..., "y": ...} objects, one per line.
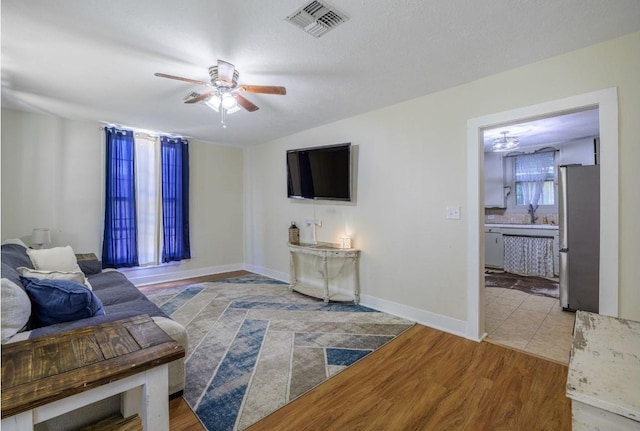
[{"x": 579, "y": 231}]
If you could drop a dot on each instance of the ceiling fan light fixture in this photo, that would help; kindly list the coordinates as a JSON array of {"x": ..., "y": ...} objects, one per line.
[
  {"x": 214, "y": 102},
  {"x": 228, "y": 101},
  {"x": 505, "y": 143}
]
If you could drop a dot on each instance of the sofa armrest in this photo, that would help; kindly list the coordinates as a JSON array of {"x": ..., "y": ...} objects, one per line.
[{"x": 176, "y": 368}]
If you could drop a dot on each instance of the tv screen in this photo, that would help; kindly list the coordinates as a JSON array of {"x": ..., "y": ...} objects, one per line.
[{"x": 320, "y": 173}]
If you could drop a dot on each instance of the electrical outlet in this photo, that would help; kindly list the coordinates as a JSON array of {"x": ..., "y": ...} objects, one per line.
[{"x": 453, "y": 213}]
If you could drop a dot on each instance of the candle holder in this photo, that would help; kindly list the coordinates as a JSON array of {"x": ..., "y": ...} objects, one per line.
[{"x": 345, "y": 242}]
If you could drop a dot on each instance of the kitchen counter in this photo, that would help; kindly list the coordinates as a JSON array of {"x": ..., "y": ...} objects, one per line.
[{"x": 523, "y": 226}]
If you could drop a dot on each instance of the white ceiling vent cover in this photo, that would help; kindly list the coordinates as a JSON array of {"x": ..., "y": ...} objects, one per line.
[{"x": 317, "y": 18}]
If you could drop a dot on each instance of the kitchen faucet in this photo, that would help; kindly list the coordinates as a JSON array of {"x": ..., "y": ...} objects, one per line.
[{"x": 532, "y": 213}]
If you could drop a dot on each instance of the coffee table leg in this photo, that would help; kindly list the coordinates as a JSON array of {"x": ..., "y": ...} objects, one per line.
[
  {"x": 155, "y": 399},
  {"x": 151, "y": 400},
  {"x": 21, "y": 421}
]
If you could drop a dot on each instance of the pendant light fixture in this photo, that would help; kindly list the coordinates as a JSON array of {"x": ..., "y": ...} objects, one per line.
[{"x": 505, "y": 143}]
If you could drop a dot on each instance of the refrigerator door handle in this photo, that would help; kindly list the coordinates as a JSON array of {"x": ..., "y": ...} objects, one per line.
[
  {"x": 562, "y": 207},
  {"x": 564, "y": 279}
]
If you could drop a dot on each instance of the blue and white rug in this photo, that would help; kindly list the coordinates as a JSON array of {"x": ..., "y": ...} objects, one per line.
[{"x": 254, "y": 345}]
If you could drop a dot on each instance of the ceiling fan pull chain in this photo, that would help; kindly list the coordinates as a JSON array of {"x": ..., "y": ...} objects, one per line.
[{"x": 222, "y": 112}]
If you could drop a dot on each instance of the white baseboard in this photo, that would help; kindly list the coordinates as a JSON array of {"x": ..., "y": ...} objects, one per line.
[
  {"x": 145, "y": 276},
  {"x": 276, "y": 275},
  {"x": 427, "y": 318}
]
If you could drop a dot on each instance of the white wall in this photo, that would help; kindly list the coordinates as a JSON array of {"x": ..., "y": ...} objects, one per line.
[
  {"x": 53, "y": 176},
  {"x": 412, "y": 162}
]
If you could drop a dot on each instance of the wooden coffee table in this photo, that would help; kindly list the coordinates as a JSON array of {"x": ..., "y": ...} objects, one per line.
[{"x": 48, "y": 376}]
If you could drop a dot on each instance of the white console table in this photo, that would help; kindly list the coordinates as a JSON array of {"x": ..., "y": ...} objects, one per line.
[
  {"x": 604, "y": 373},
  {"x": 325, "y": 251}
]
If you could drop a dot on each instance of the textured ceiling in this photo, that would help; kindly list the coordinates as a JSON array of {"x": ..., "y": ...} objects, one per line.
[{"x": 95, "y": 59}]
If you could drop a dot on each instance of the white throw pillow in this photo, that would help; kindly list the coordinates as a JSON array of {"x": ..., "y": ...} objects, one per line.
[
  {"x": 15, "y": 307},
  {"x": 77, "y": 276},
  {"x": 54, "y": 259}
]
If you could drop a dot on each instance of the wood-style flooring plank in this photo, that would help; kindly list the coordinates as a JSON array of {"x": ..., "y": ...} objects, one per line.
[
  {"x": 182, "y": 418},
  {"x": 426, "y": 379},
  {"x": 187, "y": 281}
]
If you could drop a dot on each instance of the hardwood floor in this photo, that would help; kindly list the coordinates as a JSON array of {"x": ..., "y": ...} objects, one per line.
[
  {"x": 188, "y": 281},
  {"x": 430, "y": 380},
  {"x": 182, "y": 418}
]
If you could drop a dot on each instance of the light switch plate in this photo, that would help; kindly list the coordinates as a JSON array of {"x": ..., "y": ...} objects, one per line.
[{"x": 453, "y": 213}]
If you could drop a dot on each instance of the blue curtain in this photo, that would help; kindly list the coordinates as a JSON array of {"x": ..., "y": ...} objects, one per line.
[
  {"x": 175, "y": 199},
  {"x": 120, "y": 242}
]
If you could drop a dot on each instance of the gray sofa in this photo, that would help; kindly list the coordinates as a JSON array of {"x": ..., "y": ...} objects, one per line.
[{"x": 120, "y": 299}]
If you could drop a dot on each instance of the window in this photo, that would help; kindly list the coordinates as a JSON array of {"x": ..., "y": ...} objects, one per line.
[
  {"x": 147, "y": 200},
  {"x": 148, "y": 206},
  {"x": 535, "y": 179}
]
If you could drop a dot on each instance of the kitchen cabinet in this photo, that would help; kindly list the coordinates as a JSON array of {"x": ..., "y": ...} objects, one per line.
[
  {"x": 494, "y": 181},
  {"x": 493, "y": 248}
]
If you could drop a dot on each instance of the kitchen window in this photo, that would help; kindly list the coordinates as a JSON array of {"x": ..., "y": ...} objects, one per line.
[{"x": 534, "y": 176}]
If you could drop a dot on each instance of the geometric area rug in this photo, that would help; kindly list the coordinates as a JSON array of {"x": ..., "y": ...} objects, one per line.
[
  {"x": 530, "y": 284},
  {"x": 254, "y": 345}
]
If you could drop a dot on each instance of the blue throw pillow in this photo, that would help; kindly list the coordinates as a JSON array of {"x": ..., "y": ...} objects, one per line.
[{"x": 57, "y": 301}]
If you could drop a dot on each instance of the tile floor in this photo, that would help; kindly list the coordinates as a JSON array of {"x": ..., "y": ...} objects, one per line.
[{"x": 534, "y": 324}]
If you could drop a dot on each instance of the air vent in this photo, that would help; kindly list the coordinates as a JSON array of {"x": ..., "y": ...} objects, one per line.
[{"x": 317, "y": 18}]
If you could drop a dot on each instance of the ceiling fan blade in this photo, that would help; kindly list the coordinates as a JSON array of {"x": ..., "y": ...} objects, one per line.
[
  {"x": 225, "y": 71},
  {"x": 200, "y": 97},
  {"x": 179, "y": 78},
  {"x": 245, "y": 103},
  {"x": 263, "y": 89}
]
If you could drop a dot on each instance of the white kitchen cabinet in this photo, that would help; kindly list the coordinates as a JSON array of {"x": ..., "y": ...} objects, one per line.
[
  {"x": 522, "y": 230},
  {"x": 494, "y": 181},
  {"x": 493, "y": 249}
]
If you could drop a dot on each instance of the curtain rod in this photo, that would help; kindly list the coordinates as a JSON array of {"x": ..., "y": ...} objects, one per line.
[
  {"x": 145, "y": 135},
  {"x": 541, "y": 150}
]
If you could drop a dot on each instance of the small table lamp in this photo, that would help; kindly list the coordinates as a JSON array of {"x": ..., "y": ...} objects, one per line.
[{"x": 40, "y": 236}]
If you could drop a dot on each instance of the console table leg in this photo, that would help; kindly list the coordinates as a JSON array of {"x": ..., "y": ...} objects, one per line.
[
  {"x": 292, "y": 271},
  {"x": 325, "y": 277},
  {"x": 356, "y": 281}
]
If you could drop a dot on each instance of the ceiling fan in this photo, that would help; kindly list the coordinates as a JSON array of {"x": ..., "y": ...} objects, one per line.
[{"x": 225, "y": 96}]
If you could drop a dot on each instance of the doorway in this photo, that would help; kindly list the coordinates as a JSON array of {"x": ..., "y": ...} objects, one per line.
[
  {"x": 522, "y": 264},
  {"x": 607, "y": 103}
]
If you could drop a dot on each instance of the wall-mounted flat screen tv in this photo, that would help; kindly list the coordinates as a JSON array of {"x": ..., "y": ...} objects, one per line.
[{"x": 320, "y": 173}]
